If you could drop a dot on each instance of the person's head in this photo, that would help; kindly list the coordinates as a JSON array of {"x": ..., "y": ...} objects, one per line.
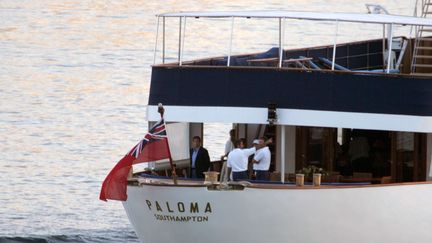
[
  {"x": 262, "y": 141},
  {"x": 232, "y": 133},
  {"x": 196, "y": 142},
  {"x": 240, "y": 143},
  {"x": 256, "y": 143},
  {"x": 243, "y": 143},
  {"x": 259, "y": 143}
]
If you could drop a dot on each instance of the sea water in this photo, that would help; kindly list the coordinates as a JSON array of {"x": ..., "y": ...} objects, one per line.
[{"x": 74, "y": 87}]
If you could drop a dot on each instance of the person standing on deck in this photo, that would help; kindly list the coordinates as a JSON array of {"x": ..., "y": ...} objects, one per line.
[
  {"x": 238, "y": 160},
  {"x": 229, "y": 145},
  {"x": 199, "y": 159},
  {"x": 261, "y": 160}
]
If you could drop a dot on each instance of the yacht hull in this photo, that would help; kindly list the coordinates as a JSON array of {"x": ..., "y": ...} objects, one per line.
[{"x": 393, "y": 213}]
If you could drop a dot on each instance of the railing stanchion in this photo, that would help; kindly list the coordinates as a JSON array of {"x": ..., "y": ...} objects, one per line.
[
  {"x": 163, "y": 39},
  {"x": 334, "y": 44},
  {"x": 390, "y": 40},
  {"x": 156, "y": 42},
  {"x": 282, "y": 39},
  {"x": 183, "y": 42},
  {"x": 231, "y": 41},
  {"x": 179, "y": 41}
]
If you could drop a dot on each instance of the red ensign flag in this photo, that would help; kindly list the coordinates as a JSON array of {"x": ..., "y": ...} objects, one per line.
[{"x": 153, "y": 147}]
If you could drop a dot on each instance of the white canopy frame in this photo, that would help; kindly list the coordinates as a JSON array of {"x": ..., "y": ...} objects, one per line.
[
  {"x": 383, "y": 19},
  {"x": 343, "y": 17}
]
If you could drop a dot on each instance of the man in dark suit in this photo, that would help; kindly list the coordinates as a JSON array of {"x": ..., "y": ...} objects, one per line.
[{"x": 199, "y": 159}]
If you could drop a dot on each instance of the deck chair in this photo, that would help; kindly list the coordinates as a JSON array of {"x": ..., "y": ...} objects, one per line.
[{"x": 327, "y": 62}]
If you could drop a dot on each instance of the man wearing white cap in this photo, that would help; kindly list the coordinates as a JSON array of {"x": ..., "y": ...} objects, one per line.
[
  {"x": 261, "y": 160},
  {"x": 238, "y": 159}
]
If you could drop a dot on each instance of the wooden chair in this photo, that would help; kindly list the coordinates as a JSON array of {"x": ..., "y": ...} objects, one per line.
[{"x": 297, "y": 62}]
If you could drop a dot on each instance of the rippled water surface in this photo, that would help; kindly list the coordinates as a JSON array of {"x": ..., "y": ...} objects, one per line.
[{"x": 74, "y": 87}]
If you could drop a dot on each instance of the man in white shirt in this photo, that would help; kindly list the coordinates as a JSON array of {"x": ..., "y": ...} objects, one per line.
[
  {"x": 261, "y": 160},
  {"x": 238, "y": 160}
]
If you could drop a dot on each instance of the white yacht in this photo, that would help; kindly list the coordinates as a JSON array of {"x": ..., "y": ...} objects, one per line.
[{"x": 367, "y": 102}]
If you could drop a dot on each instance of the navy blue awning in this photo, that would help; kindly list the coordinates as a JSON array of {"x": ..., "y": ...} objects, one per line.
[{"x": 251, "y": 89}]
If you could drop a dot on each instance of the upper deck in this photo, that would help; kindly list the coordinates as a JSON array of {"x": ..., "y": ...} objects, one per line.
[
  {"x": 363, "y": 56},
  {"x": 317, "y": 86}
]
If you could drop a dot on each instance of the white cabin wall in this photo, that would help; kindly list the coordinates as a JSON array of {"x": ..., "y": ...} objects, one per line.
[
  {"x": 429, "y": 157},
  {"x": 290, "y": 147}
]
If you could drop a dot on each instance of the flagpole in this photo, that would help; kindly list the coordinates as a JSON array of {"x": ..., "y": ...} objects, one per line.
[{"x": 161, "y": 111}]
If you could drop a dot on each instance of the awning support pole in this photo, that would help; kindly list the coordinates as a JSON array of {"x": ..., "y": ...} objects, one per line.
[
  {"x": 280, "y": 33},
  {"x": 179, "y": 41},
  {"x": 163, "y": 39},
  {"x": 283, "y": 153},
  {"x": 282, "y": 39},
  {"x": 156, "y": 42},
  {"x": 183, "y": 42},
  {"x": 231, "y": 41},
  {"x": 390, "y": 43},
  {"x": 334, "y": 44}
]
